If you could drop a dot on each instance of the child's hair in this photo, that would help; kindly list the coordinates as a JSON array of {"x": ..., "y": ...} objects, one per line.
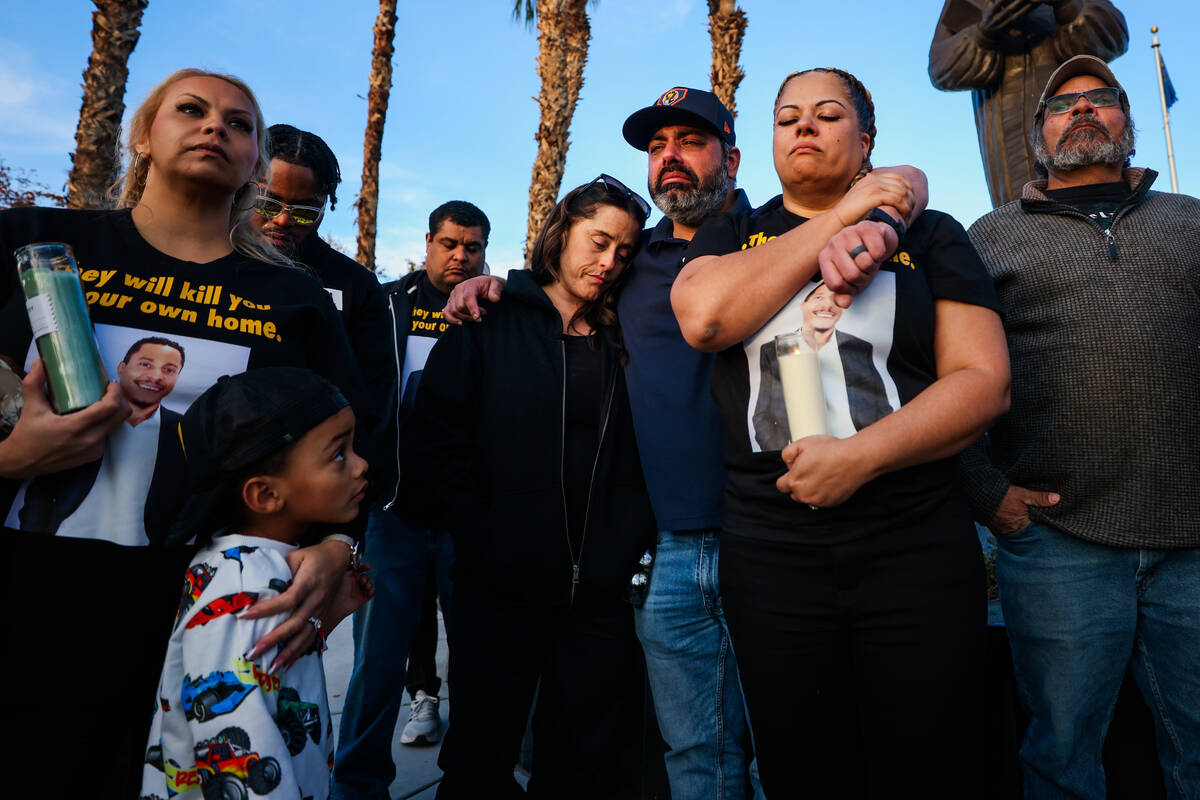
[
  {"x": 245, "y": 425},
  {"x": 271, "y": 464}
]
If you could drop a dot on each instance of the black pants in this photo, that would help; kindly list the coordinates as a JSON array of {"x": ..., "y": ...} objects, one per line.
[
  {"x": 422, "y": 655},
  {"x": 587, "y": 726},
  {"x": 88, "y": 628},
  {"x": 861, "y": 662}
]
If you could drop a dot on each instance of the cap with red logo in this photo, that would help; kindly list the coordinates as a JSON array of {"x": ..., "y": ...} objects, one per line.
[{"x": 680, "y": 106}]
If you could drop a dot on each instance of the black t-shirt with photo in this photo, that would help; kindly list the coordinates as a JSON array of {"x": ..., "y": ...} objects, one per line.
[
  {"x": 1099, "y": 201},
  {"x": 110, "y": 589},
  {"x": 225, "y": 316},
  {"x": 424, "y": 327},
  {"x": 879, "y": 356}
]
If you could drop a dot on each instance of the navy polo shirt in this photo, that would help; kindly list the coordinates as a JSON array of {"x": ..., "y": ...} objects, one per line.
[{"x": 678, "y": 428}]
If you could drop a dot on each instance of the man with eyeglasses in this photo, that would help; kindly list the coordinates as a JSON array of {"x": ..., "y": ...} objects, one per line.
[
  {"x": 1092, "y": 482},
  {"x": 395, "y": 633}
]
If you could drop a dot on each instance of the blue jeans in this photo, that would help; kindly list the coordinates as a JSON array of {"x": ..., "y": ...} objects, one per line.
[
  {"x": 402, "y": 559},
  {"x": 692, "y": 671},
  {"x": 1078, "y": 614}
]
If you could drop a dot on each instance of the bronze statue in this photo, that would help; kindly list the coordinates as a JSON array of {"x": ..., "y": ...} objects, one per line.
[{"x": 1004, "y": 52}]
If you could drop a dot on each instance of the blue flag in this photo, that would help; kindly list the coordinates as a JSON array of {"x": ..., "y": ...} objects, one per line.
[{"x": 1168, "y": 89}]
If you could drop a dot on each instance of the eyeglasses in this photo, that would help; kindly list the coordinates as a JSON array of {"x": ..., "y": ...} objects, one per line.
[
  {"x": 623, "y": 190},
  {"x": 270, "y": 208},
  {"x": 1104, "y": 97}
]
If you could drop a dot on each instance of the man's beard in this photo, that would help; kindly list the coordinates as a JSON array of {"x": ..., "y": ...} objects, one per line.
[
  {"x": 691, "y": 206},
  {"x": 1094, "y": 145}
]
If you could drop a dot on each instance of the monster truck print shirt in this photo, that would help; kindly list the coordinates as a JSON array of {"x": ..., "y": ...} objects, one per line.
[{"x": 223, "y": 726}]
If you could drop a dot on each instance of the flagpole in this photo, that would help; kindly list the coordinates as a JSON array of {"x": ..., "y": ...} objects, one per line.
[{"x": 1162, "y": 95}]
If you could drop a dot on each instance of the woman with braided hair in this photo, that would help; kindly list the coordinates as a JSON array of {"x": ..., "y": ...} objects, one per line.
[{"x": 851, "y": 575}]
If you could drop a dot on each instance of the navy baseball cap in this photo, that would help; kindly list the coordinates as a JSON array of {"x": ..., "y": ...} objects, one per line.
[
  {"x": 680, "y": 106},
  {"x": 239, "y": 421}
]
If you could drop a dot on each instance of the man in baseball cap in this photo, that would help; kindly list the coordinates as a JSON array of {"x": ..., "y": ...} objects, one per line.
[
  {"x": 676, "y": 106},
  {"x": 1095, "y": 514},
  {"x": 689, "y": 137}
]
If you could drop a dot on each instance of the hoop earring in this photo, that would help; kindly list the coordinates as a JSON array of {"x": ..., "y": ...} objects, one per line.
[{"x": 133, "y": 170}]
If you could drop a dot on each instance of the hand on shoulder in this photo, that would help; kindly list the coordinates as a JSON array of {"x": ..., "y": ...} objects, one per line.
[{"x": 463, "y": 305}]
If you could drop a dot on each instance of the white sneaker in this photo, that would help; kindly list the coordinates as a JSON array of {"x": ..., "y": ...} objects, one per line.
[{"x": 424, "y": 723}]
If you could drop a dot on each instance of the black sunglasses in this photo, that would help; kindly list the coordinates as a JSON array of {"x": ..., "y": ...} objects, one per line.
[
  {"x": 1104, "y": 97},
  {"x": 623, "y": 190}
]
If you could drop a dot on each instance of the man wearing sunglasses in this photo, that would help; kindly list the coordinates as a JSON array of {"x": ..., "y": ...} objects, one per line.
[
  {"x": 1092, "y": 482},
  {"x": 303, "y": 179}
]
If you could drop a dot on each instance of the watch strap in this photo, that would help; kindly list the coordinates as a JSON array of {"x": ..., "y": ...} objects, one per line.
[{"x": 878, "y": 215}]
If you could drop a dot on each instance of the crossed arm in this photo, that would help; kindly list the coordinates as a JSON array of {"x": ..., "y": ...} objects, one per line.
[{"x": 721, "y": 300}]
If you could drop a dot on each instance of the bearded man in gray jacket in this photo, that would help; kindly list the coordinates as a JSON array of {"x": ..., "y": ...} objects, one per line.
[{"x": 1092, "y": 482}]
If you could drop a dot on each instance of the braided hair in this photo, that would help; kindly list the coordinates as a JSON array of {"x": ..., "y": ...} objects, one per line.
[
  {"x": 860, "y": 98},
  {"x": 305, "y": 149}
]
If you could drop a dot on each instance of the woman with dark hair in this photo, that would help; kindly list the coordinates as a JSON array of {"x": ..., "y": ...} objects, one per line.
[
  {"x": 851, "y": 573},
  {"x": 521, "y": 443},
  {"x": 178, "y": 259}
]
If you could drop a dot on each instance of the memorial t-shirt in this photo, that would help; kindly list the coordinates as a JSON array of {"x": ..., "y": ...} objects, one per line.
[
  {"x": 226, "y": 316},
  {"x": 425, "y": 326},
  {"x": 876, "y": 356},
  {"x": 223, "y": 317}
]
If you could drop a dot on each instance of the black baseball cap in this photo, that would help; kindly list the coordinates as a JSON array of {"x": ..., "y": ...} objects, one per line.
[
  {"x": 680, "y": 106},
  {"x": 237, "y": 422}
]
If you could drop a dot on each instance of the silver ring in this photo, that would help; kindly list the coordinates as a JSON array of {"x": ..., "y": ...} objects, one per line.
[
  {"x": 862, "y": 248},
  {"x": 316, "y": 623},
  {"x": 814, "y": 508}
]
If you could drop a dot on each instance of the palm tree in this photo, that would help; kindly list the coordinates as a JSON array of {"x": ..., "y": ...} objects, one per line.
[
  {"x": 377, "y": 103},
  {"x": 726, "y": 27},
  {"x": 116, "y": 27},
  {"x": 563, "y": 36}
]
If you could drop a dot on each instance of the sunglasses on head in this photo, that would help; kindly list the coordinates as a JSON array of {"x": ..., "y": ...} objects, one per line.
[
  {"x": 270, "y": 208},
  {"x": 615, "y": 185},
  {"x": 1104, "y": 97}
]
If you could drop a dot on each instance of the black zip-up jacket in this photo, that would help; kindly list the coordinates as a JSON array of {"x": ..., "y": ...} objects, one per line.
[
  {"x": 400, "y": 301},
  {"x": 482, "y": 456}
]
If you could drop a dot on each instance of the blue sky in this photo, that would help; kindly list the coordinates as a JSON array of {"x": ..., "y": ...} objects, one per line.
[{"x": 462, "y": 116}]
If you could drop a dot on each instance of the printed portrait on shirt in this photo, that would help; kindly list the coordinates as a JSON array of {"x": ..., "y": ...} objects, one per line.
[
  {"x": 133, "y": 491},
  {"x": 853, "y": 345}
]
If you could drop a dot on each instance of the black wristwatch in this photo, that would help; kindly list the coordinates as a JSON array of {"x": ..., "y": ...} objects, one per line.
[{"x": 897, "y": 225}]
